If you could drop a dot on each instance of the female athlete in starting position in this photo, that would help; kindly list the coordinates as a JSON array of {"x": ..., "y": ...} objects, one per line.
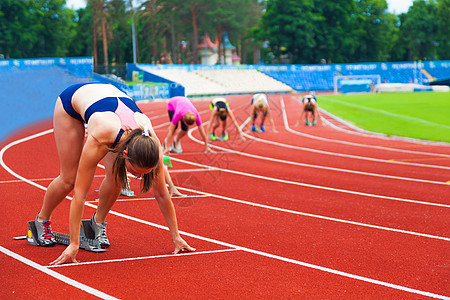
[
  {"x": 120, "y": 134},
  {"x": 220, "y": 112},
  {"x": 260, "y": 104},
  {"x": 310, "y": 111},
  {"x": 182, "y": 111}
]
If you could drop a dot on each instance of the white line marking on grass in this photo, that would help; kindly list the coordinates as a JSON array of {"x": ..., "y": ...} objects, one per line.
[
  {"x": 143, "y": 258},
  {"x": 383, "y": 112},
  {"x": 361, "y": 132},
  {"x": 56, "y": 275},
  {"x": 264, "y": 254},
  {"x": 286, "y": 126}
]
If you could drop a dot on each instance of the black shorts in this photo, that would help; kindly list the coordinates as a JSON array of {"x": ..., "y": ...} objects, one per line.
[
  {"x": 309, "y": 107},
  {"x": 255, "y": 114},
  {"x": 221, "y": 105},
  {"x": 184, "y": 127}
]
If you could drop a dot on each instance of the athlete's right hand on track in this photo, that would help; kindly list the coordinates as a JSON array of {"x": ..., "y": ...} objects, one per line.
[
  {"x": 181, "y": 246},
  {"x": 70, "y": 253}
]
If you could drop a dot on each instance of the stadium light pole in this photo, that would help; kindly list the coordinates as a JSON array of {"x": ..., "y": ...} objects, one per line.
[{"x": 133, "y": 32}]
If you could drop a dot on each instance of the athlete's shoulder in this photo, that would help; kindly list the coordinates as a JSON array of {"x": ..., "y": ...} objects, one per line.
[{"x": 104, "y": 126}]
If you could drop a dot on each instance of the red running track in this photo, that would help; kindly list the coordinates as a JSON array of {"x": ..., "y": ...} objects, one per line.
[{"x": 310, "y": 212}]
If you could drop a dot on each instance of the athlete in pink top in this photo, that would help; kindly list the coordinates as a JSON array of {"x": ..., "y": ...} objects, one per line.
[
  {"x": 181, "y": 110},
  {"x": 119, "y": 135},
  {"x": 181, "y": 106}
]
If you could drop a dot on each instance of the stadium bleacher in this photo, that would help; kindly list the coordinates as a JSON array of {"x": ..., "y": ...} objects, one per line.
[
  {"x": 226, "y": 79},
  {"x": 32, "y": 85},
  {"x": 219, "y": 81},
  {"x": 320, "y": 77}
]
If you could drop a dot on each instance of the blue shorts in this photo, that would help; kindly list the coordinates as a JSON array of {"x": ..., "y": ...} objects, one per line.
[
  {"x": 66, "y": 99},
  {"x": 105, "y": 104}
]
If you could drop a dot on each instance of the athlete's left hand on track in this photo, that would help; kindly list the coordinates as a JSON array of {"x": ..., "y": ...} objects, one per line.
[
  {"x": 70, "y": 253},
  {"x": 209, "y": 150},
  {"x": 181, "y": 246}
]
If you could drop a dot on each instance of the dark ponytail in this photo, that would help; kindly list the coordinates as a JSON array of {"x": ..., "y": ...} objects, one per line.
[{"x": 143, "y": 152}]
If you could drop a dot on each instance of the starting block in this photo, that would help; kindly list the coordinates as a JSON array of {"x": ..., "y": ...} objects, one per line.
[
  {"x": 127, "y": 192},
  {"x": 87, "y": 237}
]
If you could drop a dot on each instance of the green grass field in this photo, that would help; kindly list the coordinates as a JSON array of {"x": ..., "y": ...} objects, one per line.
[{"x": 424, "y": 115}]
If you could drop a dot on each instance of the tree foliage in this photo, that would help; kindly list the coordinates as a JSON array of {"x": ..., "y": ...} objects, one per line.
[
  {"x": 274, "y": 31},
  {"x": 35, "y": 28}
]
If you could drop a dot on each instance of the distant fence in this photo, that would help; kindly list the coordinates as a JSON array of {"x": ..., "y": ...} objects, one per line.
[
  {"x": 30, "y": 87},
  {"x": 80, "y": 66}
]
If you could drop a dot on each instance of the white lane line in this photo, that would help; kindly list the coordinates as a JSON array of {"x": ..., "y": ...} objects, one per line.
[
  {"x": 347, "y": 155},
  {"x": 101, "y": 176},
  {"x": 143, "y": 258},
  {"x": 205, "y": 194},
  {"x": 313, "y": 185},
  {"x": 191, "y": 170},
  {"x": 264, "y": 254},
  {"x": 288, "y": 162},
  {"x": 37, "y": 179},
  {"x": 56, "y": 275},
  {"x": 288, "y": 260},
  {"x": 286, "y": 126},
  {"x": 319, "y": 151},
  {"x": 316, "y": 216},
  {"x": 18, "y": 142},
  {"x": 150, "y": 198}
]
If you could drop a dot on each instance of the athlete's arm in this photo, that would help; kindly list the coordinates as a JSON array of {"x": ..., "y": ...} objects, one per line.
[
  {"x": 213, "y": 114},
  {"x": 205, "y": 139},
  {"x": 167, "y": 209},
  {"x": 301, "y": 114},
  {"x": 168, "y": 141},
  {"x": 271, "y": 120},
  {"x": 93, "y": 152},
  {"x": 230, "y": 112}
]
